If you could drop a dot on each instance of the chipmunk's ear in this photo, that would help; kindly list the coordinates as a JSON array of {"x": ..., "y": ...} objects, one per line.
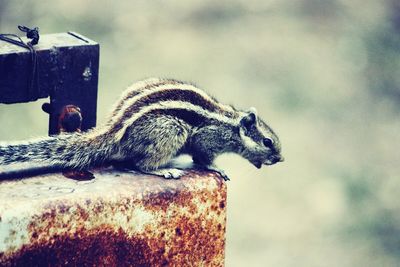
[{"x": 249, "y": 119}]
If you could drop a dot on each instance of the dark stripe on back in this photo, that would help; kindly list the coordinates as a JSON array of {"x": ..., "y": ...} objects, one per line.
[
  {"x": 146, "y": 87},
  {"x": 172, "y": 94},
  {"x": 133, "y": 93},
  {"x": 190, "y": 117}
]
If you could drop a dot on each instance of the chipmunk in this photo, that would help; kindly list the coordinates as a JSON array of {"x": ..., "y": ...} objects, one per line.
[{"x": 154, "y": 121}]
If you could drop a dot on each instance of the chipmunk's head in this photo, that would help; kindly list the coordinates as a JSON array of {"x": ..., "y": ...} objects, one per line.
[{"x": 260, "y": 144}]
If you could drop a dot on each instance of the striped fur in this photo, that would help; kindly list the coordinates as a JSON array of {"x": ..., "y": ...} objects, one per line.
[
  {"x": 197, "y": 110},
  {"x": 134, "y": 90},
  {"x": 146, "y": 96}
]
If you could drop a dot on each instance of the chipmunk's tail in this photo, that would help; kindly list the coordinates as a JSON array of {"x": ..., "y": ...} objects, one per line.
[{"x": 63, "y": 151}]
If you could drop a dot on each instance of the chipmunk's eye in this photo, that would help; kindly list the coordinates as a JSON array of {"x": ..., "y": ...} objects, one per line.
[{"x": 267, "y": 142}]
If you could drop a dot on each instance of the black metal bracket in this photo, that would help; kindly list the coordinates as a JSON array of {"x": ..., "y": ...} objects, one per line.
[{"x": 67, "y": 72}]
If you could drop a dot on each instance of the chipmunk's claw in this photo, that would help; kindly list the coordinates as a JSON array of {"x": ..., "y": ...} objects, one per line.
[{"x": 219, "y": 171}]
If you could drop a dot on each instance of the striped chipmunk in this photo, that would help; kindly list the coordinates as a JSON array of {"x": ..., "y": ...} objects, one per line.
[{"x": 155, "y": 121}]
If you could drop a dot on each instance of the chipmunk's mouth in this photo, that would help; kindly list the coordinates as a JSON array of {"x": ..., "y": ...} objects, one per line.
[
  {"x": 257, "y": 164},
  {"x": 270, "y": 161},
  {"x": 274, "y": 159}
]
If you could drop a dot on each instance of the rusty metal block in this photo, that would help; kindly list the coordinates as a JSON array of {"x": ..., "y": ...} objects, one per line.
[{"x": 116, "y": 219}]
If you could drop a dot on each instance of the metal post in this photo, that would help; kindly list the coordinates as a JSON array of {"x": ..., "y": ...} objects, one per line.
[{"x": 67, "y": 71}]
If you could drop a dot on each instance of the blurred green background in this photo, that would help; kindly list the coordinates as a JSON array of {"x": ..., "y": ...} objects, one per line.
[{"x": 324, "y": 74}]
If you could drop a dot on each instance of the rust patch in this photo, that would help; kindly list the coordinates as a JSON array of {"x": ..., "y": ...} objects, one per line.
[
  {"x": 79, "y": 175},
  {"x": 104, "y": 247},
  {"x": 161, "y": 201}
]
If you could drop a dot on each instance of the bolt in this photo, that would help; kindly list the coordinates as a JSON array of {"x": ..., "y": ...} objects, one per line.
[{"x": 70, "y": 119}]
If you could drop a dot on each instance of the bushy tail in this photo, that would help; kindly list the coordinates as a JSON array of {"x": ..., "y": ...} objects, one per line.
[
  {"x": 38, "y": 150},
  {"x": 64, "y": 151}
]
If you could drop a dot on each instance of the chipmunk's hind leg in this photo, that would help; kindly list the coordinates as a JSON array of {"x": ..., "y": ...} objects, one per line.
[{"x": 160, "y": 142}]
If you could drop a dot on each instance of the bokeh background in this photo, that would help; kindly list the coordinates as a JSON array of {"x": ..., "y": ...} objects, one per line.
[{"x": 324, "y": 74}]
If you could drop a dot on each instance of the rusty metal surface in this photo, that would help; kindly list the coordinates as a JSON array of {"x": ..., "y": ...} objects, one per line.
[{"x": 116, "y": 219}]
